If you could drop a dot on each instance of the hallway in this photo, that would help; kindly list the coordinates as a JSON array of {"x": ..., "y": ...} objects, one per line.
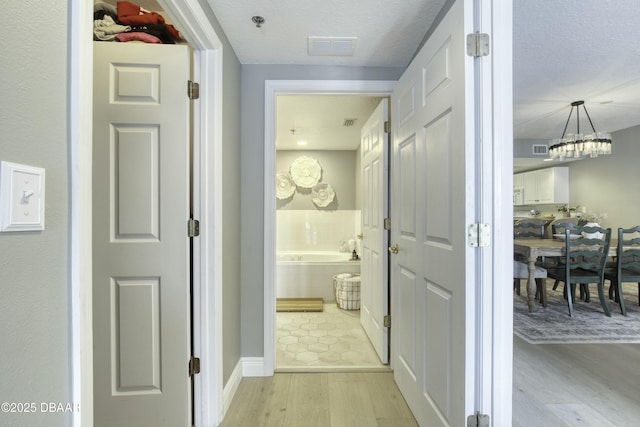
[{"x": 319, "y": 400}]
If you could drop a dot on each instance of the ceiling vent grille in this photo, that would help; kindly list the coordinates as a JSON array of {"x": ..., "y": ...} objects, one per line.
[
  {"x": 540, "y": 149},
  {"x": 331, "y": 46},
  {"x": 349, "y": 122}
]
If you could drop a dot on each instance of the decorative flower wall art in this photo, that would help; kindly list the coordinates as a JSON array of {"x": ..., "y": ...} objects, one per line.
[
  {"x": 322, "y": 195},
  {"x": 305, "y": 171},
  {"x": 285, "y": 187}
]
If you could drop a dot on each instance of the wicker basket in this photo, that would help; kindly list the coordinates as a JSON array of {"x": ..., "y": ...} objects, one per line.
[{"x": 347, "y": 291}]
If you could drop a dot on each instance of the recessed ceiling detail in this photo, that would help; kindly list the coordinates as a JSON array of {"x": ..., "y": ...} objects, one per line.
[{"x": 331, "y": 46}]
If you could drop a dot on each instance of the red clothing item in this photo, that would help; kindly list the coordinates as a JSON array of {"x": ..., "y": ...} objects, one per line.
[{"x": 130, "y": 14}]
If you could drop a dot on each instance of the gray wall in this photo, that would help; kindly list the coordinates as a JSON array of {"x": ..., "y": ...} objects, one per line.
[
  {"x": 34, "y": 273},
  {"x": 609, "y": 183},
  {"x": 252, "y": 197},
  {"x": 231, "y": 257},
  {"x": 338, "y": 170},
  {"x": 523, "y": 148}
]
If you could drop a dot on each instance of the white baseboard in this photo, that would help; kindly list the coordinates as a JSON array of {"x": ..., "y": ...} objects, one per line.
[
  {"x": 246, "y": 367},
  {"x": 253, "y": 367},
  {"x": 231, "y": 386}
]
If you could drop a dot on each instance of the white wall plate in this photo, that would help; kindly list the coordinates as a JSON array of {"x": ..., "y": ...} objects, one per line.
[{"x": 21, "y": 197}]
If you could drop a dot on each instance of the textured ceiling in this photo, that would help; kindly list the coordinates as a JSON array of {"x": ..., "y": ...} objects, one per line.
[
  {"x": 562, "y": 50},
  {"x": 575, "y": 50},
  {"x": 388, "y": 31}
]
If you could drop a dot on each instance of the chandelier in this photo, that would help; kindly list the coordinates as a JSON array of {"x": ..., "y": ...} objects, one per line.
[{"x": 577, "y": 145}]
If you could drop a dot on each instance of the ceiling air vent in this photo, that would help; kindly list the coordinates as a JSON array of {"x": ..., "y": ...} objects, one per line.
[
  {"x": 540, "y": 149},
  {"x": 349, "y": 122},
  {"x": 331, "y": 46}
]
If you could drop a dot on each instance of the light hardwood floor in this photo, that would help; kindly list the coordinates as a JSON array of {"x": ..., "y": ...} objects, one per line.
[
  {"x": 555, "y": 385},
  {"x": 576, "y": 385},
  {"x": 319, "y": 400}
]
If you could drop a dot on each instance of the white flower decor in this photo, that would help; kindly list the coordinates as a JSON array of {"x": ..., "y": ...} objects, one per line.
[
  {"x": 285, "y": 187},
  {"x": 306, "y": 171},
  {"x": 322, "y": 195}
]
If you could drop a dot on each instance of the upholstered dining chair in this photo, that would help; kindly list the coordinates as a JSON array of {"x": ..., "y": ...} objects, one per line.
[
  {"x": 627, "y": 267},
  {"x": 584, "y": 263}
]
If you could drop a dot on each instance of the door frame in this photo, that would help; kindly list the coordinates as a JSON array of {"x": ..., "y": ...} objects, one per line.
[
  {"x": 189, "y": 16},
  {"x": 273, "y": 88}
]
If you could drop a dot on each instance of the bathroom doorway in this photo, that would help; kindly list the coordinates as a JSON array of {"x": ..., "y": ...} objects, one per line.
[{"x": 319, "y": 200}]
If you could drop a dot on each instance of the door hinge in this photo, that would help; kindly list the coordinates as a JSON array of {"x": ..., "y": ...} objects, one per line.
[
  {"x": 193, "y": 228},
  {"x": 387, "y": 223},
  {"x": 193, "y": 90},
  {"x": 479, "y": 235},
  {"x": 387, "y": 127},
  {"x": 387, "y": 321},
  {"x": 478, "y": 44},
  {"x": 478, "y": 420},
  {"x": 194, "y": 366}
]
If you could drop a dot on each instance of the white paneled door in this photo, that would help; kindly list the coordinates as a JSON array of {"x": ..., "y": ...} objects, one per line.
[
  {"x": 433, "y": 353},
  {"x": 374, "y": 293},
  {"x": 141, "y": 299}
]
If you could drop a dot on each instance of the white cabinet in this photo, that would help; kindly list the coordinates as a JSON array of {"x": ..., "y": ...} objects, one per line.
[
  {"x": 518, "y": 181},
  {"x": 545, "y": 185}
]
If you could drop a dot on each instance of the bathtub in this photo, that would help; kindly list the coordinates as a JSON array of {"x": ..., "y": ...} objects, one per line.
[{"x": 310, "y": 274}]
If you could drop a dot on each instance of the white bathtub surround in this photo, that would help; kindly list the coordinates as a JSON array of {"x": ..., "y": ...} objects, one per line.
[
  {"x": 310, "y": 274},
  {"x": 311, "y": 230}
]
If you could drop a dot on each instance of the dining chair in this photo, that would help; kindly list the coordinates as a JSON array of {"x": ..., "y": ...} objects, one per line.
[
  {"x": 627, "y": 267},
  {"x": 584, "y": 263},
  {"x": 559, "y": 226},
  {"x": 530, "y": 228}
]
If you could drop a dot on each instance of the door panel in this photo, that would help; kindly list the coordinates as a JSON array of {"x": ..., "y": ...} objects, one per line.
[
  {"x": 374, "y": 304},
  {"x": 140, "y": 248},
  {"x": 432, "y": 195}
]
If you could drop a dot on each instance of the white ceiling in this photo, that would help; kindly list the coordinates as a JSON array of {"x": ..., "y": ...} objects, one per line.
[
  {"x": 571, "y": 50},
  {"x": 319, "y": 121},
  {"x": 562, "y": 50},
  {"x": 388, "y": 31}
]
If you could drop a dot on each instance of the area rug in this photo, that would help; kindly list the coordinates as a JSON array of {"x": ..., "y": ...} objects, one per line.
[{"x": 589, "y": 325}]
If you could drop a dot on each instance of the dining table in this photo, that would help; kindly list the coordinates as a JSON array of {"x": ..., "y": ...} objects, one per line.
[{"x": 532, "y": 249}]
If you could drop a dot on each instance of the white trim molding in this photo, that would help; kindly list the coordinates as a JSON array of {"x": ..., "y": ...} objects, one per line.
[
  {"x": 80, "y": 125},
  {"x": 232, "y": 385},
  {"x": 253, "y": 366},
  {"x": 273, "y": 88},
  {"x": 192, "y": 20}
]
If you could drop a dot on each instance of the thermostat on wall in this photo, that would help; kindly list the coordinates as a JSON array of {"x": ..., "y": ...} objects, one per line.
[{"x": 21, "y": 197}]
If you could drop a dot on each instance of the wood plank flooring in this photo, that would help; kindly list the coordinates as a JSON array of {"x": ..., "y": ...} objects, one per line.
[
  {"x": 555, "y": 385},
  {"x": 576, "y": 385},
  {"x": 319, "y": 400}
]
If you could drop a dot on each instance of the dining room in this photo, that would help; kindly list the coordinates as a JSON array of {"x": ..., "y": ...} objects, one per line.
[
  {"x": 575, "y": 370},
  {"x": 563, "y": 373}
]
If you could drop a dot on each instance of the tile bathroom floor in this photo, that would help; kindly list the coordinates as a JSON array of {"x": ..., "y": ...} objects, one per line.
[{"x": 332, "y": 340}]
